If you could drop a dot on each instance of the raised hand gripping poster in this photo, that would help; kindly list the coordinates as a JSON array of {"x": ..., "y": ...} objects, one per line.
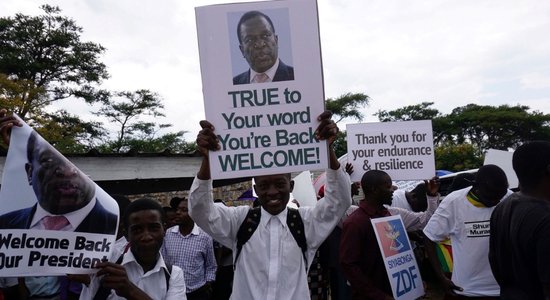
[
  {"x": 398, "y": 257},
  {"x": 404, "y": 150},
  {"x": 263, "y": 86},
  {"x": 54, "y": 220}
]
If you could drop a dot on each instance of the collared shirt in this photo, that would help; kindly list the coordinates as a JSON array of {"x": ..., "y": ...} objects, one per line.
[
  {"x": 74, "y": 217},
  {"x": 360, "y": 256},
  {"x": 270, "y": 72},
  {"x": 193, "y": 253},
  {"x": 271, "y": 265},
  {"x": 153, "y": 283}
]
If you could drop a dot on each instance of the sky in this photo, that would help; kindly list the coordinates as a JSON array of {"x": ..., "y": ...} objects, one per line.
[{"x": 397, "y": 52}]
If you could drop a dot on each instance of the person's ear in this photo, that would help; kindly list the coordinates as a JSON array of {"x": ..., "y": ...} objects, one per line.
[
  {"x": 277, "y": 39},
  {"x": 28, "y": 169},
  {"x": 291, "y": 185}
]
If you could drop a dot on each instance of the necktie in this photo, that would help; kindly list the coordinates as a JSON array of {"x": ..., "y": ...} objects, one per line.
[
  {"x": 261, "y": 77},
  {"x": 55, "y": 222}
]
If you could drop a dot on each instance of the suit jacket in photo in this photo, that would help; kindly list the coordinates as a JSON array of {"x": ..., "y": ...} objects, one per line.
[
  {"x": 283, "y": 73},
  {"x": 99, "y": 220}
]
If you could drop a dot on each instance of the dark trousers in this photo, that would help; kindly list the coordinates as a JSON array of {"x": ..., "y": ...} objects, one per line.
[
  {"x": 224, "y": 283},
  {"x": 203, "y": 293}
]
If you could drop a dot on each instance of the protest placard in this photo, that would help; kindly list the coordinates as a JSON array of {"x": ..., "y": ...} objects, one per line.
[
  {"x": 404, "y": 150},
  {"x": 262, "y": 86},
  {"x": 54, "y": 220},
  {"x": 399, "y": 260}
]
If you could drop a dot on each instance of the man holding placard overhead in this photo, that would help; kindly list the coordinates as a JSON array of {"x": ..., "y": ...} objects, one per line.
[{"x": 272, "y": 263}]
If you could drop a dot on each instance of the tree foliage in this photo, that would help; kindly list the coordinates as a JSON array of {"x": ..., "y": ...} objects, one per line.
[
  {"x": 457, "y": 157},
  {"x": 462, "y": 136},
  {"x": 46, "y": 61},
  {"x": 347, "y": 106},
  {"x": 421, "y": 111},
  {"x": 127, "y": 110},
  {"x": 344, "y": 107},
  {"x": 495, "y": 127},
  {"x": 43, "y": 60},
  {"x": 67, "y": 132}
]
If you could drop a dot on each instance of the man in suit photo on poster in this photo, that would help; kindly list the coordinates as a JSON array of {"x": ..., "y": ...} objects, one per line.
[
  {"x": 259, "y": 45},
  {"x": 66, "y": 198}
]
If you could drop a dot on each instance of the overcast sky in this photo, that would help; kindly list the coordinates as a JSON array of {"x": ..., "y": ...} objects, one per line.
[{"x": 398, "y": 52}]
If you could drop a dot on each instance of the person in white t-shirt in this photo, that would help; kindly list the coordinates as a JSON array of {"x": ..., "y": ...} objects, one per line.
[{"x": 464, "y": 217}]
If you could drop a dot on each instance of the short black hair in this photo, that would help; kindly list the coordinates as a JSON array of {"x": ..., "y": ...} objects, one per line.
[
  {"x": 491, "y": 176},
  {"x": 530, "y": 162},
  {"x": 249, "y": 15},
  {"x": 139, "y": 205},
  {"x": 175, "y": 202},
  {"x": 461, "y": 181},
  {"x": 372, "y": 179}
]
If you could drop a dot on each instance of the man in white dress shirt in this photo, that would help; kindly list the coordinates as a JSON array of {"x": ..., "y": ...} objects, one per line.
[
  {"x": 271, "y": 265},
  {"x": 140, "y": 273}
]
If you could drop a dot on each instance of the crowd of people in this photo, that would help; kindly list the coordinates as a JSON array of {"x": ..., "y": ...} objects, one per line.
[{"x": 199, "y": 248}]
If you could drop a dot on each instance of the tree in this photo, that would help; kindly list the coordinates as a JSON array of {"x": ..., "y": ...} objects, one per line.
[
  {"x": 68, "y": 133},
  {"x": 457, "y": 157},
  {"x": 495, "y": 127},
  {"x": 346, "y": 106},
  {"x": 46, "y": 61},
  {"x": 422, "y": 111},
  {"x": 127, "y": 109}
]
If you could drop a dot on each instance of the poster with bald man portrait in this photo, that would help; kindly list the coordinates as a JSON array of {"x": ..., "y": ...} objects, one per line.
[
  {"x": 263, "y": 86},
  {"x": 53, "y": 218}
]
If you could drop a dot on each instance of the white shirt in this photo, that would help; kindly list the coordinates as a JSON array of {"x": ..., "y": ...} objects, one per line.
[
  {"x": 271, "y": 265},
  {"x": 400, "y": 199},
  {"x": 415, "y": 220},
  {"x": 75, "y": 217},
  {"x": 412, "y": 220},
  {"x": 270, "y": 72},
  {"x": 468, "y": 228},
  {"x": 153, "y": 283}
]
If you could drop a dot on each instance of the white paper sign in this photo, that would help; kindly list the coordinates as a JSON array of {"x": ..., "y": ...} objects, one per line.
[
  {"x": 503, "y": 159},
  {"x": 263, "y": 127},
  {"x": 39, "y": 183},
  {"x": 398, "y": 257},
  {"x": 404, "y": 150},
  {"x": 304, "y": 191}
]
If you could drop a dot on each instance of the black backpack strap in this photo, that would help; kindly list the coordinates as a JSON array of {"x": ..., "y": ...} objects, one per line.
[
  {"x": 103, "y": 292},
  {"x": 296, "y": 226},
  {"x": 247, "y": 228}
]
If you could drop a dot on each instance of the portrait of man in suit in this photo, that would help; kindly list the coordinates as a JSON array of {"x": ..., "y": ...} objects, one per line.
[
  {"x": 259, "y": 45},
  {"x": 66, "y": 199}
]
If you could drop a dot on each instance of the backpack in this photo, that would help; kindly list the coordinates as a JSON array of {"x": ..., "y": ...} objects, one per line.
[
  {"x": 102, "y": 293},
  {"x": 252, "y": 220}
]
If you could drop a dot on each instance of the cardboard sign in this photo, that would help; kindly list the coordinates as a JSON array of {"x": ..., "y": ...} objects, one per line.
[
  {"x": 503, "y": 159},
  {"x": 404, "y": 150},
  {"x": 54, "y": 220},
  {"x": 263, "y": 127},
  {"x": 399, "y": 260}
]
